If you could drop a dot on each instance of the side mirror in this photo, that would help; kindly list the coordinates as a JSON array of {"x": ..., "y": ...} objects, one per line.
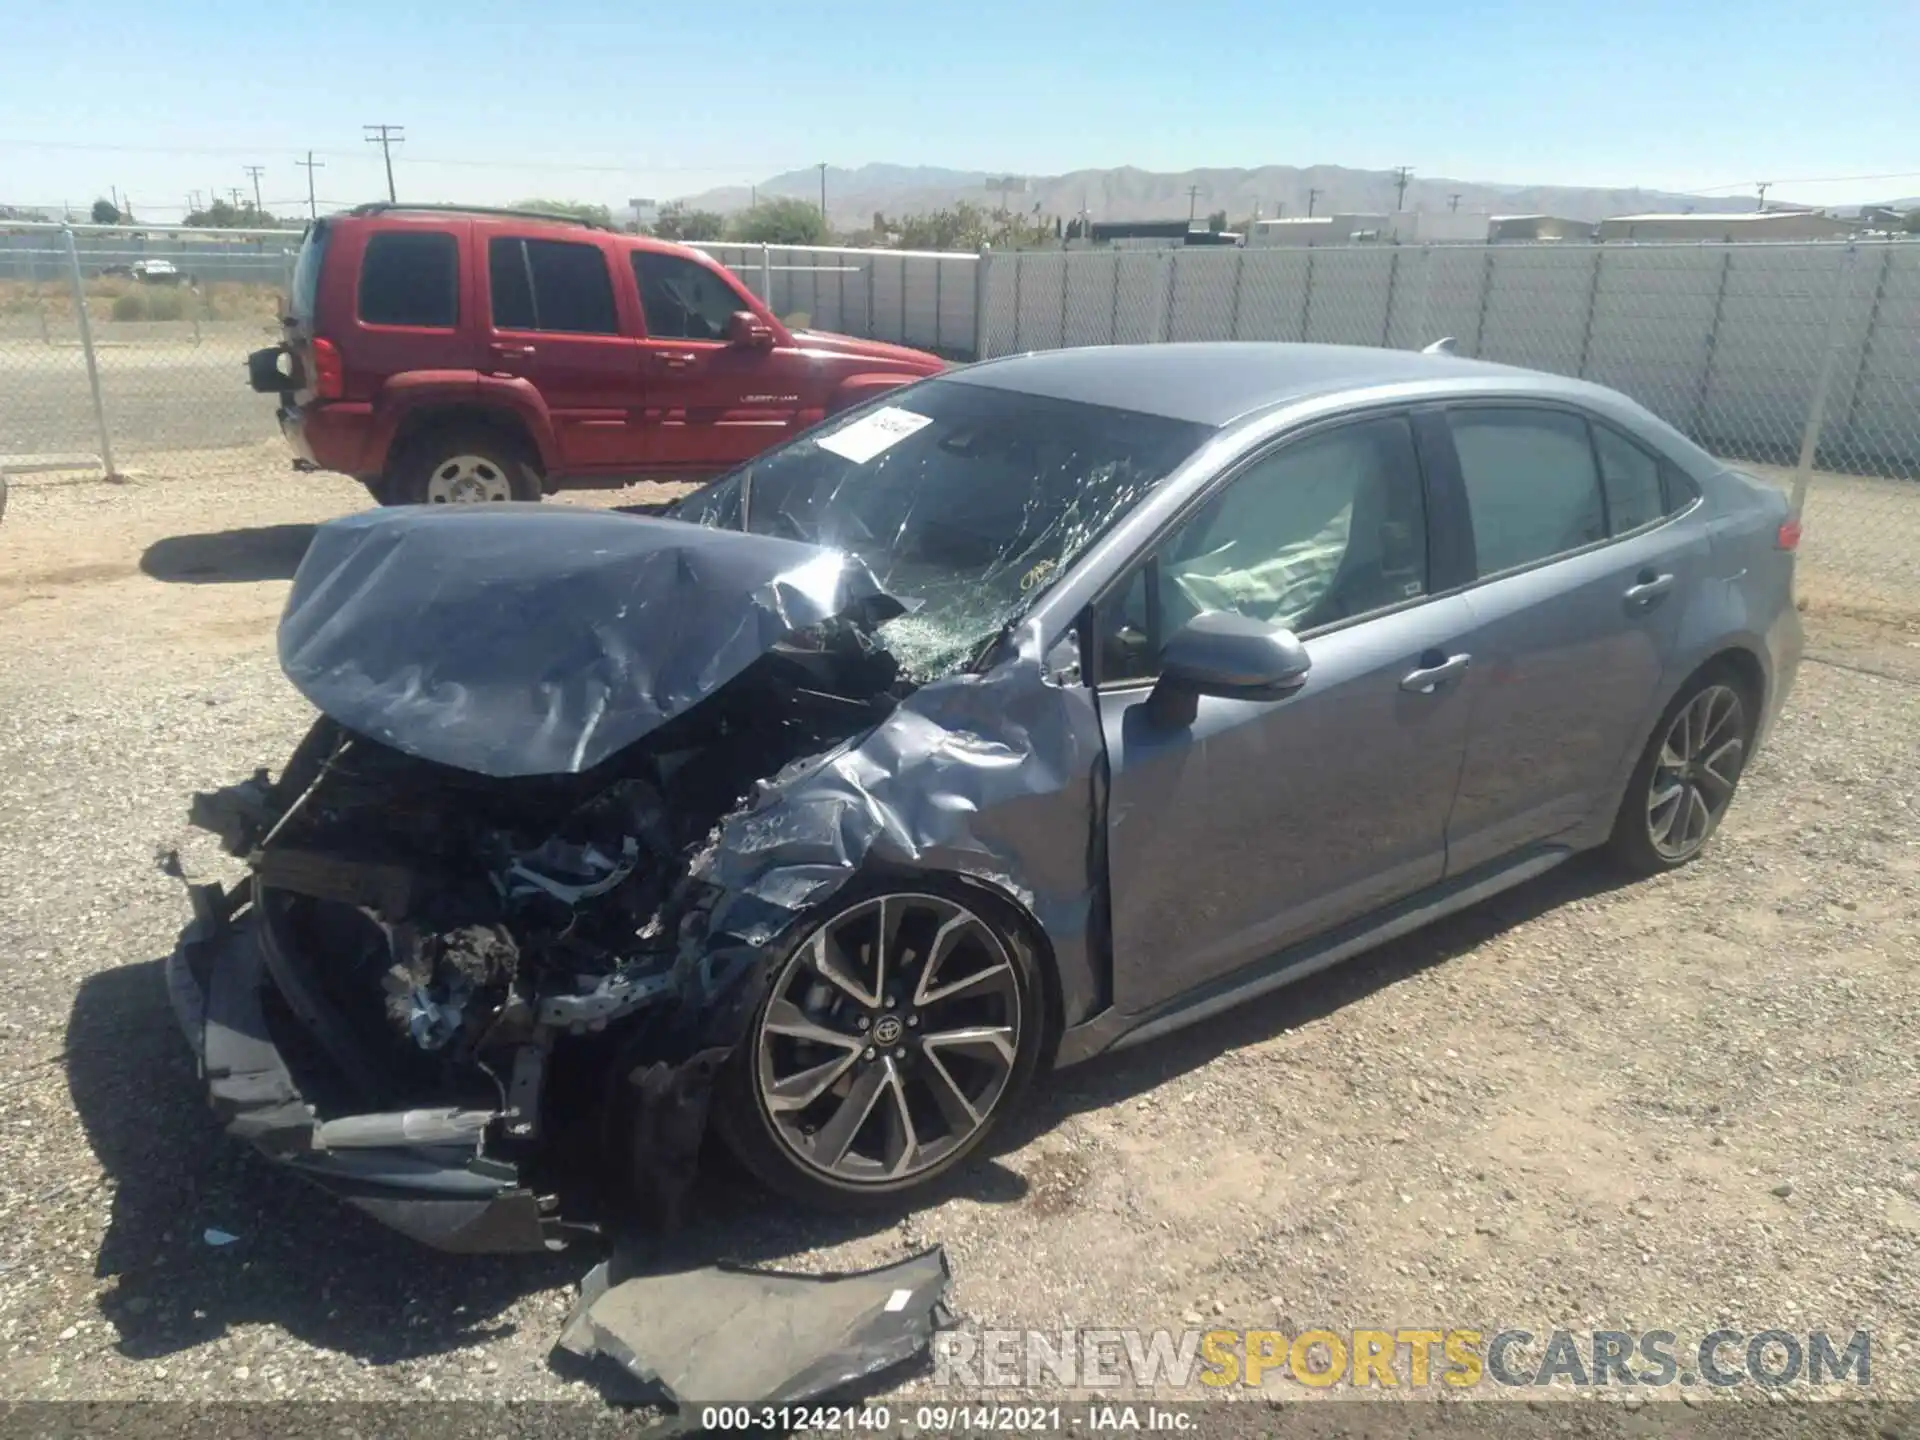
[
  {"x": 748, "y": 330},
  {"x": 1230, "y": 656}
]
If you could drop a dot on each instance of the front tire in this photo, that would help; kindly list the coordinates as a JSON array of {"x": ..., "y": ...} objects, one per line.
[
  {"x": 901, "y": 1024},
  {"x": 1687, "y": 775},
  {"x": 460, "y": 467}
]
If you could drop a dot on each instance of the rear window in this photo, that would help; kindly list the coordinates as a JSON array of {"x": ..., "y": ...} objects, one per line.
[
  {"x": 306, "y": 271},
  {"x": 410, "y": 277},
  {"x": 550, "y": 285}
]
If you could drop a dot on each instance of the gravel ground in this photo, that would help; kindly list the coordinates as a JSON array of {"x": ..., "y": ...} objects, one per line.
[{"x": 1687, "y": 1103}]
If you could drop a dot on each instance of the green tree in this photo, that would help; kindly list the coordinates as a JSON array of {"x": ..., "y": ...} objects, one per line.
[
  {"x": 573, "y": 209},
  {"x": 782, "y": 221},
  {"x": 1910, "y": 222},
  {"x": 1217, "y": 221},
  {"x": 222, "y": 216},
  {"x": 677, "y": 222},
  {"x": 105, "y": 212}
]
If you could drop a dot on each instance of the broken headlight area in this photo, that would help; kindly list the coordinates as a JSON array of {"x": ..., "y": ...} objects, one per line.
[{"x": 498, "y": 973}]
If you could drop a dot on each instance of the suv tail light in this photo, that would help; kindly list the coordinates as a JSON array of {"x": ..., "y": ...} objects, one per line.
[
  {"x": 329, "y": 376},
  {"x": 1789, "y": 536}
]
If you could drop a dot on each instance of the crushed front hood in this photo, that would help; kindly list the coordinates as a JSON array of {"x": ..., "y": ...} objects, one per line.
[{"x": 526, "y": 639}]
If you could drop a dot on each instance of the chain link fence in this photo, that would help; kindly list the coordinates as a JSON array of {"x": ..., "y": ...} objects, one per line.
[
  {"x": 1799, "y": 361},
  {"x": 118, "y": 345}
]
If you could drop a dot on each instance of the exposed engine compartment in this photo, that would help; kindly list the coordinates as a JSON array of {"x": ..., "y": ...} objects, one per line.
[{"x": 435, "y": 931}]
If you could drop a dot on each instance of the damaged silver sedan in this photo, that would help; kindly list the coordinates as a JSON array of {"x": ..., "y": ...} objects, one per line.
[{"x": 1040, "y": 707}]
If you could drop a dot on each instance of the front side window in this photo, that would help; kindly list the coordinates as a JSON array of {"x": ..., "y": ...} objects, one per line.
[
  {"x": 1532, "y": 491},
  {"x": 553, "y": 285},
  {"x": 682, "y": 299},
  {"x": 407, "y": 277},
  {"x": 1325, "y": 529},
  {"x": 965, "y": 500}
]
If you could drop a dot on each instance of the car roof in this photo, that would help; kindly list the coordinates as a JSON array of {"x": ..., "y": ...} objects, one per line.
[{"x": 1215, "y": 383}]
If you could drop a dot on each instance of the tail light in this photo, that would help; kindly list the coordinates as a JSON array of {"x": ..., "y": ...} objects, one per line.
[
  {"x": 329, "y": 376},
  {"x": 1789, "y": 536}
]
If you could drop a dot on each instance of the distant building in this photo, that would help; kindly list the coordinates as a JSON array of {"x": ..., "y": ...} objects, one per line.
[
  {"x": 1152, "y": 235},
  {"x": 1439, "y": 227},
  {"x": 1537, "y": 228},
  {"x": 1319, "y": 230},
  {"x": 1740, "y": 225}
]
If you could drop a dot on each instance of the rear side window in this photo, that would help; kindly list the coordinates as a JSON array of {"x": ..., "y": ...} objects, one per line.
[
  {"x": 550, "y": 285},
  {"x": 410, "y": 277},
  {"x": 1532, "y": 490},
  {"x": 305, "y": 291},
  {"x": 1631, "y": 478}
]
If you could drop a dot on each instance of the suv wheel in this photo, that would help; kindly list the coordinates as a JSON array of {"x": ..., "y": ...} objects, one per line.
[
  {"x": 898, "y": 1028},
  {"x": 460, "y": 467}
]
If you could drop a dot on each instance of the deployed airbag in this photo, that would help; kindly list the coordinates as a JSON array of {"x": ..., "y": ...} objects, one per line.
[{"x": 521, "y": 639}]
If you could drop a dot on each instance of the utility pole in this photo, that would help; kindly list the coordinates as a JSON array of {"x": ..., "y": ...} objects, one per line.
[
  {"x": 310, "y": 165},
  {"x": 1193, "y": 202},
  {"x": 1453, "y": 201},
  {"x": 253, "y": 174},
  {"x": 823, "y": 190},
  {"x": 386, "y": 137},
  {"x": 193, "y": 201},
  {"x": 1401, "y": 175},
  {"x": 1312, "y": 197},
  {"x": 239, "y": 196},
  {"x": 1763, "y": 186}
]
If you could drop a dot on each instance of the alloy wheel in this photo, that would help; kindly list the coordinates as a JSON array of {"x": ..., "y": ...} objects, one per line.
[
  {"x": 889, "y": 1038},
  {"x": 467, "y": 480},
  {"x": 1695, "y": 772}
]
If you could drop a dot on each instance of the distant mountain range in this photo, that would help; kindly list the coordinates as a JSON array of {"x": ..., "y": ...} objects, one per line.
[{"x": 1127, "y": 193}]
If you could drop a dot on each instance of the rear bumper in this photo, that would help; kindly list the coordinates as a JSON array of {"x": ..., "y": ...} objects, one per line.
[
  {"x": 1786, "y": 642},
  {"x": 451, "y": 1196},
  {"x": 331, "y": 436}
]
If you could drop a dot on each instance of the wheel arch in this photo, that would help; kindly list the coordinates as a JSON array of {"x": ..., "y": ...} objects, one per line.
[{"x": 421, "y": 421}]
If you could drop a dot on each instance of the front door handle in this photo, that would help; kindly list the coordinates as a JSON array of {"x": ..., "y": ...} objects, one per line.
[
  {"x": 1436, "y": 669},
  {"x": 1647, "y": 588},
  {"x": 511, "y": 352},
  {"x": 677, "y": 359}
]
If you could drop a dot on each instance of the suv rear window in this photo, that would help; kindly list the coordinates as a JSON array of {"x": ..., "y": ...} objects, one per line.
[
  {"x": 410, "y": 277},
  {"x": 550, "y": 285},
  {"x": 306, "y": 271}
]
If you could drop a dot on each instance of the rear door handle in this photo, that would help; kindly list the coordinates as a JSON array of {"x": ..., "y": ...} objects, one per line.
[
  {"x": 1436, "y": 669},
  {"x": 1647, "y": 588}
]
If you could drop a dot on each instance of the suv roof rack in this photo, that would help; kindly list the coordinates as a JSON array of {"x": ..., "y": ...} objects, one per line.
[{"x": 388, "y": 207}]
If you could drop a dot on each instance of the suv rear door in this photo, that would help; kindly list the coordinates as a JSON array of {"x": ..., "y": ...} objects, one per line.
[
  {"x": 557, "y": 320},
  {"x": 711, "y": 404}
]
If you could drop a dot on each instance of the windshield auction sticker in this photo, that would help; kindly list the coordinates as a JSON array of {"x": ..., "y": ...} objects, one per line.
[{"x": 874, "y": 434}]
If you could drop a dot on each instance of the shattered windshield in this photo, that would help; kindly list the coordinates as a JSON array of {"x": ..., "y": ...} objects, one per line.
[{"x": 964, "y": 500}]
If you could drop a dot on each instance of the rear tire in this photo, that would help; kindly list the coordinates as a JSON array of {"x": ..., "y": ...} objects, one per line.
[
  {"x": 466, "y": 465},
  {"x": 1687, "y": 775},
  {"x": 954, "y": 1052}
]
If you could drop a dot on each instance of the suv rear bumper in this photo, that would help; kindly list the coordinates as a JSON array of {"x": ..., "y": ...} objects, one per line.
[
  {"x": 331, "y": 435},
  {"x": 451, "y": 1196}
]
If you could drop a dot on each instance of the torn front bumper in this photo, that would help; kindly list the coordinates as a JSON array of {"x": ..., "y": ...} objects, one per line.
[{"x": 436, "y": 1186}]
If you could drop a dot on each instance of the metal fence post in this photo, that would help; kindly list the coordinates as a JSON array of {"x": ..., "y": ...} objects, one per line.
[
  {"x": 86, "y": 347},
  {"x": 1066, "y": 279},
  {"x": 1823, "y": 382},
  {"x": 1173, "y": 294},
  {"x": 1866, "y": 344},
  {"x": 1486, "y": 298},
  {"x": 1019, "y": 299},
  {"x": 1698, "y": 430},
  {"x": 903, "y": 299},
  {"x": 939, "y": 272},
  {"x": 766, "y": 275},
  {"x": 1233, "y": 318},
  {"x": 1306, "y": 298},
  {"x": 1393, "y": 280},
  {"x": 1593, "y": 301},
  {"x": 1113, "y": 317},
  {"x": 1420, "y": 340},
  {"x": 980, "y": 303}
]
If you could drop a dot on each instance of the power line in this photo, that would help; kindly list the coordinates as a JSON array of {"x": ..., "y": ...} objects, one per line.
[
  {"x": 386, "y": 137},
  {"x": 310, "y": 165}
]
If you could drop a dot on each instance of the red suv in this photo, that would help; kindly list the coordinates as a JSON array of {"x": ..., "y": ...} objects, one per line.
[{"x": 443, "y": 355}]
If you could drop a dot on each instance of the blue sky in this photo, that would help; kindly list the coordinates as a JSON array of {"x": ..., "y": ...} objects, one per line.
[{"x": 609, "y": 101}]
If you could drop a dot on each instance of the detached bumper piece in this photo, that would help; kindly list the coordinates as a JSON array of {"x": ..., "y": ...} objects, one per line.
[
  {"x": 421, "y": 1172},
  {"x": 721, "y": 1335}
]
